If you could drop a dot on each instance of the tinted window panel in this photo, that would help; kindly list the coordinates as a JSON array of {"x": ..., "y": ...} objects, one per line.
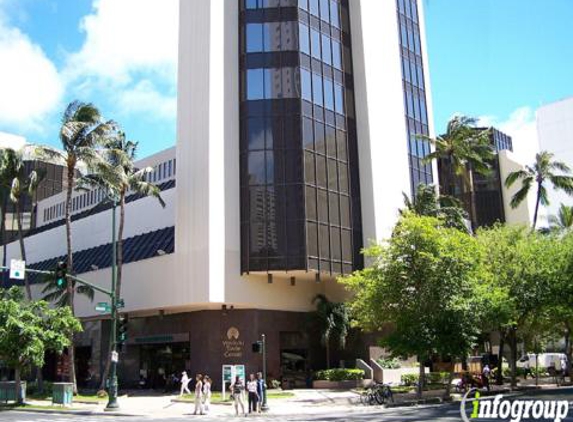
[
  {"x": 317, "y": 89},
  {"x": 315, "y": 43},
  {"x": 254, "y": 38},
  {"x": 328, "y": 94},
  {"x": 256, "y": 133},
  {"x": 306, "y": 85},
  {"x": 334, "y": 16},
  {"x": 336, "y": 55},
  {"x": 304, "y": 38},
  {"x": 257, "y": 168},
  {"x": 314, "y": 7}
]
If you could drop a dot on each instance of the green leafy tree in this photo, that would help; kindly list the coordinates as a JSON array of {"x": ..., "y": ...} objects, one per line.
[
  {"x": 422, "y": 282},
  {"x": 427, "y": 203},
  {"x": 545, "y": 171},
  {"x": 522, "y": 268},
  {"x": 82, "y": 130},
  {"x": 118, "y": 176},
  {"x": 334, "y": 323},
  {"x": 563, "y": 221},
  {"x": 30, "y": 328}
]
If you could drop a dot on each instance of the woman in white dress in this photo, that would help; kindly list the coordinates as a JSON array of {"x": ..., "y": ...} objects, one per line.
[
  {"x": 206, "y": 393},
  {"x": 198, "y": 395}
]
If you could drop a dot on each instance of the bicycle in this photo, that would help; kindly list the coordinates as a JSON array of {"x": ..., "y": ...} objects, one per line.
[{"x": 383, "y": 394}]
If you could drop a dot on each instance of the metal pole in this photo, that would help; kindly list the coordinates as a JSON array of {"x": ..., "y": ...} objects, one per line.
[
  {"x": 112, "y": 403},
  {"x": 264, "y": 406}
]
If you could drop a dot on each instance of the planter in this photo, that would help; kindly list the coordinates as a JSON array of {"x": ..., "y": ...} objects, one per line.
[{"x": 339, "y": 385}]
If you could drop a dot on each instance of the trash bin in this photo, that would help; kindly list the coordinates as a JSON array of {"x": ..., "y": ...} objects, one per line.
[
  {"x": 63, "y": 393},
  {"x": 8, "y": 391}
]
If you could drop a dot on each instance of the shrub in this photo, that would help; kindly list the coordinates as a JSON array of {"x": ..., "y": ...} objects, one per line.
[
  {"x": 410, "y": 379},
  {"x": 339, "y": 374},
  {"x": 392, "y": 363},
  {"x": 102, "y": 394},
  {"x": 437, "y": 377},
  {"x": 32, "y": 389}
]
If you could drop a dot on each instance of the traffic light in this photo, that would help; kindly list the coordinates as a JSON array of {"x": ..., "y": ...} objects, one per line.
[
  {"x": 122, "y": 322},
  {"x": 258, "y": 347},
  {"x": 61, "y": 275}
]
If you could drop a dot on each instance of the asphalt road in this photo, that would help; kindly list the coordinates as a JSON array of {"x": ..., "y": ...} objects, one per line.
[{"x": 441, "y": 413}]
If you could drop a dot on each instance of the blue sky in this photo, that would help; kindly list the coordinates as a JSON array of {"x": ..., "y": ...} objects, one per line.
[{"x": 496, "y": 59}]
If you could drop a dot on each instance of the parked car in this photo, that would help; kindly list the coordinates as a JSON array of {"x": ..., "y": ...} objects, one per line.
[{"x": 545, "y": 360}]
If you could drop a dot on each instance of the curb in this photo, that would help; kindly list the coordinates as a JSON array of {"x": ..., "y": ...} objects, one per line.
[{"x": 69, "y": 412}]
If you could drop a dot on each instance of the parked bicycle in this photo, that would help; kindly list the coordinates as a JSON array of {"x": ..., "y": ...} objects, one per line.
[{"x": 377, "y": 394}]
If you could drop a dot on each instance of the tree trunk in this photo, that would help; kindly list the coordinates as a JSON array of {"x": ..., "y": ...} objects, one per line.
[
  {"x": 499, "y": 377},
  {"x": 513, "y": 360},
  {"x": 22, "y": 246},
  {"x": 450, "y": 379},
  {"x": 537, "y": 202},
  {"x": 421, "y": 376},
  {"x": 3, "y": 240},
  {"x": 327, "y": 354},
  {"x": 70, "y": 285},
  {"x": 17, "y": 385}
]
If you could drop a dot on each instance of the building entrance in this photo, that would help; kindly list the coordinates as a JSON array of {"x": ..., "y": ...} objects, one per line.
[{"x": 161, "y": 365}]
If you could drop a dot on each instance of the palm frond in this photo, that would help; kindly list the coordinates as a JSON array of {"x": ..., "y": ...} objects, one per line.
[
  {"x": 520, "y": 195},
  {"x": 515, "y": 176}
]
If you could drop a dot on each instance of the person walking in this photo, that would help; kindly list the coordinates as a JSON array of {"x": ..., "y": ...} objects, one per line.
[
  {"x": 184, "y": 384},
  {"x": 198, "y": 395},
  {"x": 206, "y": 393},
  {"x": 261, "y": 387},
  {"x": 237, "y": 389},
  {"x": 485, "y": 373},
  {"x": 252, "y": 386},
  {"x": 527, "y": 369}
]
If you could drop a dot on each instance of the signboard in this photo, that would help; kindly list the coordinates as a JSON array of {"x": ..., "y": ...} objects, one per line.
[
  {"x": 103, "y": 307},
  {"x": 114, "y": 356},
  {"x": 232, "y": 345},
  {"x": 230, "y": 372},
  {"x": 17, "y": 269}
]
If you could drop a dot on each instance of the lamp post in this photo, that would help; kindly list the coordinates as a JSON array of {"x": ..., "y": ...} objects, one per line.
[
  {"x": 112, "y": 403},
  {"x": 264, "y": 406}
]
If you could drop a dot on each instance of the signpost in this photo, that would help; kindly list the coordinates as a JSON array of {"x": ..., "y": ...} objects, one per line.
[
  {"x": 103, "y": 307},
  {"x": 230, "y": 372},
  {"x": 17, "y": 269}
]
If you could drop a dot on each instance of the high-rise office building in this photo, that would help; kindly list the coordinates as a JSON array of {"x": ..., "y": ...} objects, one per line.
[
  {"x": 297, "y": 124},
  {"x": 555, "y": 132}
]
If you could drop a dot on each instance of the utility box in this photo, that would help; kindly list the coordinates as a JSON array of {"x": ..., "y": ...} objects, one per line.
[
  {"x": 63, "y": 393},
  {"x": 8, "y": 391}
]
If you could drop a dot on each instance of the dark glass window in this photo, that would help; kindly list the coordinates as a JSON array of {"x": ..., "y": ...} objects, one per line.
[
  {"x": 315, "y": 43},
  {"x": 314, "y": 10},
  {"x": 319, "y": 138},
  {"x": 321, "y": 173},
  {"x": 328, "y": 94},
  {"x": 257, "y": 168},
  {"x": 256, "y": 133},
  {"x": 317, "y": 89},
  {"x": 336, "y": 55},
  {"x": 326, "y": 50},
  {"x": 334, "y": 16},
  {"x": 322, "y": 202},
  {"x": 339, "y": 98},
  {"x": 255, "y": 84},
  {"x": 306, "y": 85},
  {"x": 307, "y": 133},
  {"x": 304, "y": 38}
]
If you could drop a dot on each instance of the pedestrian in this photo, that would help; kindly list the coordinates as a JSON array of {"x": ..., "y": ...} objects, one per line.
[
  {"x": 198, "y": 395},
  {"x": 206, "y": 393},
  {"x": 252, "y": 386},
  {"x": 237, "y": 389},
  {"x": 563, "y": 363},
  {"x": 485, "y": 373},
  {"x": 261, "y": 387},
  {"x": 527, "y": 369},
  {"x": 184, "y": 384}
]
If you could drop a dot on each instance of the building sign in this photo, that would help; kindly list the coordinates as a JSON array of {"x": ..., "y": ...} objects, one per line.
[
  {"x": 159, "y": 339},
  {"x": 232, "y": 346}
]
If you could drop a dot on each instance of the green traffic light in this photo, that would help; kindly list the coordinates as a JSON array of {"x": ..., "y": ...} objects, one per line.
[{"x": 60, "y": 282}]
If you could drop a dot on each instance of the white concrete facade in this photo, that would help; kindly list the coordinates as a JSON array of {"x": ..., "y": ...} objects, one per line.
[{"x": 555, "y": 131}]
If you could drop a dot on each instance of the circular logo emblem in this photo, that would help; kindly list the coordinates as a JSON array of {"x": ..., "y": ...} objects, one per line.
[{"x": 233, "y": 333}]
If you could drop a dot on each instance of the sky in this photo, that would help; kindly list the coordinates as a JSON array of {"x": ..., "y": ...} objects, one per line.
[{"x": 497, "y": 60}]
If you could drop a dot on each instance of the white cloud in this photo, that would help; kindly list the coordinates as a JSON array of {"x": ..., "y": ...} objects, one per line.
[
  {"x": 145, "y": 98},
  {"x": 30, "y": 85},
  {"x": 128, "y": 44},
  {"x": 521, "y": 126},
  {"x": 9, "y": 140}
]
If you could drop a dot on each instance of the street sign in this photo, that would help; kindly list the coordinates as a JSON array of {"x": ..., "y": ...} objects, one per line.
[
  {"x": 114, "y": 356},
  {"x": 120, "y": 304},
  {"x": 103, "y": 307},
  {"x": 17, "y": 269}
]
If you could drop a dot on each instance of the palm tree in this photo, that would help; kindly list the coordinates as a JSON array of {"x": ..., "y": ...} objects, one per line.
[
  {"x": 426, "y": 202},
  {"x": 117, "y": 175},
  {"x": 461, "y": 150},
  {"x": 82, "y": 130},
  {"x": 541, "y": 173},
  {"x": 21, "y": 184},
  {"x": 334, "y": 321},
  {"x": 563, "y": 220}
]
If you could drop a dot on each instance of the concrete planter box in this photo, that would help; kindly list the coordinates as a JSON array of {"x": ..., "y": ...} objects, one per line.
[
  {"x": 339, "y": 385},
  {"x": 394, "y": 376}
]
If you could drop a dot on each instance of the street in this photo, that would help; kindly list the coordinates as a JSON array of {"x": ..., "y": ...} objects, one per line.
[{"x": 446, "y": 412}]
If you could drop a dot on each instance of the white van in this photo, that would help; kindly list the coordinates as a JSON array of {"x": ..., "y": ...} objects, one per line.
[{"x": 545, "y": 360}]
